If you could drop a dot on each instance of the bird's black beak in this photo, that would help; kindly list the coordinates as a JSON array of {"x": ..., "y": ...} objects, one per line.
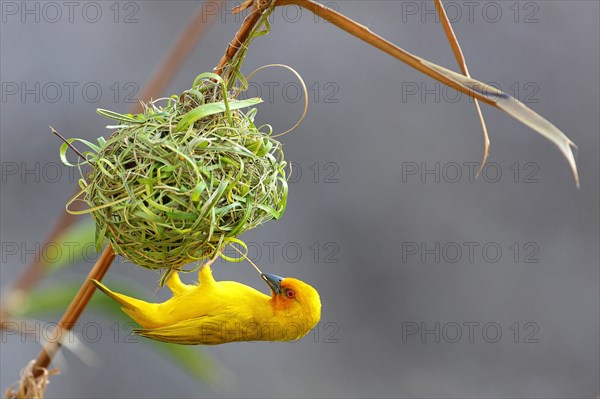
[{"x": 273, "y": 281}]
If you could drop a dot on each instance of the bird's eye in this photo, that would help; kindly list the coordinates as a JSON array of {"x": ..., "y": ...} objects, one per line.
[{"x": 290, "y": 293}]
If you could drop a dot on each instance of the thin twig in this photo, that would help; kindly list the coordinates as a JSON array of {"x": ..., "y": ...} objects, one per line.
[
  {"x": 71, "y": 146},
  {"x": 241, "y": 37},
  {"x": 462, "y": 63}
]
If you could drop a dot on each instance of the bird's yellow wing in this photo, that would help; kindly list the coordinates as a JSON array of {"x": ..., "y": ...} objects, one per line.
[{"x": 205, "y": 330}]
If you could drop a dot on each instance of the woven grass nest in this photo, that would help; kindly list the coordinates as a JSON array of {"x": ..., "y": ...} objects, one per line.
[{"x": 175, "y": 183}]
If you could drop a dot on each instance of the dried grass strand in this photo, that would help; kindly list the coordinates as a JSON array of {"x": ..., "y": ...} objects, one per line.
[{"x": 29, "y": 386}]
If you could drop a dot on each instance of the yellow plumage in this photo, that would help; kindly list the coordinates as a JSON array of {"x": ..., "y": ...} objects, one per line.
[{"x": 217, "y": 312}]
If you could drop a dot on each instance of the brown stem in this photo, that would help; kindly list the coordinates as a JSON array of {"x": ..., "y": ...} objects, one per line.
[
  {"x": 73, "y": 312},
  {"x": 243, "y": 33},
  {"x": 462, "y": 63},
  {"x": 363, "y": 33},
  {"x": 171, "y": 63}
]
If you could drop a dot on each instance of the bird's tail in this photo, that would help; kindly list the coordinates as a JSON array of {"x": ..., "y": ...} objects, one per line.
[{"x": 138, "y": 310}]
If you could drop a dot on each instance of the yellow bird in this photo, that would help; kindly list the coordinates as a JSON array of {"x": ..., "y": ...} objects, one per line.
[{"x": 217, "y": 312}]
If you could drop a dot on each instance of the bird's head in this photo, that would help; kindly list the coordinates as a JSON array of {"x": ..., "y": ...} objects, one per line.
[{"x": 296, "y": 301}]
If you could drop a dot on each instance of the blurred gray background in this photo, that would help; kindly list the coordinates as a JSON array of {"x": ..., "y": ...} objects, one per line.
[{"x": 378, "y": 239}]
